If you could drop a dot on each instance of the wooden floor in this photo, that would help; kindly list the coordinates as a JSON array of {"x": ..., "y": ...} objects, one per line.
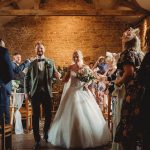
[{"x": 26, "y": 141}]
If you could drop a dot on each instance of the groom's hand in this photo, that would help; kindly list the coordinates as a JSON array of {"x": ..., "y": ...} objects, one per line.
[{"x": 85, "y": 87}]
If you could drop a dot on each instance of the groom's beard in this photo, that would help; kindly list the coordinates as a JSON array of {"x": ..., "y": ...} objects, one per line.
[{"x": 40, "y": 54}]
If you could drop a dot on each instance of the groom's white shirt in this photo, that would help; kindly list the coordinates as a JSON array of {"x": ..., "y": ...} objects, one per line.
[{"x": 41, "y": 64}]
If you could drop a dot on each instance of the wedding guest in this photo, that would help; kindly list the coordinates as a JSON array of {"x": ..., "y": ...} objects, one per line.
[
  {"x": 91, "y": 64},
  {"x": 101, "y": 66},
  {"x": 6, "y": 75},
  {"x": 18, "y": 68},
  {"x": 100, "y": 93},
  {"x": 93, "y": 85},
  {"x": 143, "y": 77},
  {"x": 128, "y": 63}
]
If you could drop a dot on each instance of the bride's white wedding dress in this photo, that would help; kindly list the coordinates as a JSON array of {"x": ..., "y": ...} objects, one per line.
[{"x": 79, "y": 122}]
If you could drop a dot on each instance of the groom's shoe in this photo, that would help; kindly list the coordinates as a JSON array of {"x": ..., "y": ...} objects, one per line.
[{"x": 36, "y": 146}]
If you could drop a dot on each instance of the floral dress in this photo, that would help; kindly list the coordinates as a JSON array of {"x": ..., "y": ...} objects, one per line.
[{"x": 125, "y": 130}]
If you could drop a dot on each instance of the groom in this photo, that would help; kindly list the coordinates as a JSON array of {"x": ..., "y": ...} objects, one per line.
[{"x": 38, "y": 88}]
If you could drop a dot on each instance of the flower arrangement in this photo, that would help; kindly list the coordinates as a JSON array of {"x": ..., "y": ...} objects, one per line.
[
  {"x": 48, "y": 64},
  {"x": 85, "y": 75},
  {"x": 15, "y": 84}
]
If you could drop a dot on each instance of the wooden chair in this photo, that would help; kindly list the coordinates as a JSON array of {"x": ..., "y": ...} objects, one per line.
[
  {"x": 108, "y": 113},
  {"x": 55, "y": 105},
  {"x": 5, "y": 135},
  {"x": 26, "y": 111},
  {"x": 26, "y": 114},
  {"x": 56, "y": 101},
  {"x": 12, "y": 106}
]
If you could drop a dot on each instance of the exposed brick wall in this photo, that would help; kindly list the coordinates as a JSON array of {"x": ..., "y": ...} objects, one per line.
[{"x": 64, "y": 34}]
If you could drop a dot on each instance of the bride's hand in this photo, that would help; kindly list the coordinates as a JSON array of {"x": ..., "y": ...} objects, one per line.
[
  {"x": 63, "y": 80},
  {"x": 85, "y": 87}
]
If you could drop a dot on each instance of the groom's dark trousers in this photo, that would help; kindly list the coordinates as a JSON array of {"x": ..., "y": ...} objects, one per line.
[{"x": 43, "y": 98}]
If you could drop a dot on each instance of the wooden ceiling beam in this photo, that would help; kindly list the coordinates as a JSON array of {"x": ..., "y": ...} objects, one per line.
[
  {"x": 137, "y": 23},
  {"x": 129, "y": 5},
  {"x": 33, "y": 12},
  {"x": 97, "y": 3},
  {"x": 138, "y": 6},
  {"x": 132, "y": 4}
]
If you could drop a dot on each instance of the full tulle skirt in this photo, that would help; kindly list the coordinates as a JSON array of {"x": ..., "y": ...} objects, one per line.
[{"x": 79, "y": 122}]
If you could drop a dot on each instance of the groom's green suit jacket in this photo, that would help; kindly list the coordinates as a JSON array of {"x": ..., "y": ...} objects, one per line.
[{"x": 31, "y": 78}]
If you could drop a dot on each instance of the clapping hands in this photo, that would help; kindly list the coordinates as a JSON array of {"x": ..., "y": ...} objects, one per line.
[
  {"x": 57, "y": 75},
  {"x": 32, "y": 58}
]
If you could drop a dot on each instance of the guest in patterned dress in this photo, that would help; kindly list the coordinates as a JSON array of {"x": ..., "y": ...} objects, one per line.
[
  {"x": 143, "y": 77},
  {"x": 128, "y": 63}
]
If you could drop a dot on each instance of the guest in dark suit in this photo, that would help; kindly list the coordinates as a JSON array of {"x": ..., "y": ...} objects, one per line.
[
  {"x": 38, "y": 86},
  {"x": 6, "y": 75},
  {"x": 18, "y": 70}
]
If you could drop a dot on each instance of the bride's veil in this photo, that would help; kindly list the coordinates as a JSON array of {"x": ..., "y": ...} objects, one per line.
[
  {"x": 62, "y": 104},
  {"x": 66, "y": 86}
]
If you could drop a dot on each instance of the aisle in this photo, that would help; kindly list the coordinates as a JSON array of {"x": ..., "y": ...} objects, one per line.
[{"x": 25, "y": 142}]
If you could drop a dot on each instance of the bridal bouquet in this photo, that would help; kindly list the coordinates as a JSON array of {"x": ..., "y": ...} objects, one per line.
[{"x": 85, "y": 75}]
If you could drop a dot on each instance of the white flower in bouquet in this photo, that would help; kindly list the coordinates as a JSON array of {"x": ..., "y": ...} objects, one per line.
[
  {"x": 85, "y": 75},
  {"x": 15, "y": 84}
]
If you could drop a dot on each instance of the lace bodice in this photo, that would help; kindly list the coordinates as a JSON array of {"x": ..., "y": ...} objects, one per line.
[{"x": 75, "y": 82}]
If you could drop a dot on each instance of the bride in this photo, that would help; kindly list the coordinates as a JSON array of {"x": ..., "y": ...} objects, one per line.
[{"x": 79, "y": 122}]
